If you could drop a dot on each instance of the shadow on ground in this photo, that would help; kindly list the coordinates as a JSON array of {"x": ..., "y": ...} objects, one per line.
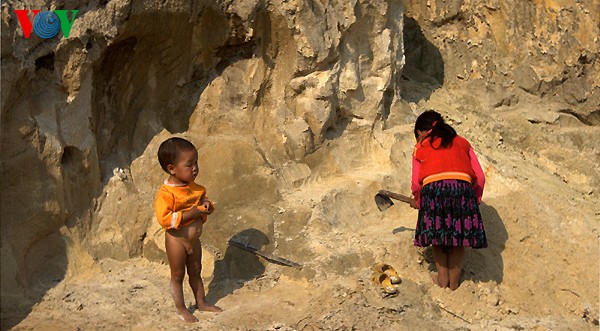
[
  {"x": 487, "y": 264},
  {"x": 237, "y": 266}
]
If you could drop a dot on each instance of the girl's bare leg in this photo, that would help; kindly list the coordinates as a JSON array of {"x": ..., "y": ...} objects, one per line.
[
  {"x": 177, "y": 256},
  {"x": 441, "y": 264},
  {"x": 194, "y": 267},
  {"x": 455, "y": 261}
]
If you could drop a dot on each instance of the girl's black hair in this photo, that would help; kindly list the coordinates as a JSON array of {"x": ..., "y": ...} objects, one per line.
[
  {"x": 432, "y": 120},
  {"x": 169, "y": 150}
]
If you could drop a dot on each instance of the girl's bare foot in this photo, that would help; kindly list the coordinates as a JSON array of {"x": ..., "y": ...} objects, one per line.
[
  {"x": 185, "y": 315},
  {"x": 435, "y": 279},
  {"x": 212, "y": 309}
]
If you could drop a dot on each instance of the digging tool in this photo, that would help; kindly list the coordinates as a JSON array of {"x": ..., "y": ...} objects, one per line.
[
  {"x": 383, "y": 201},
  {"x": 266, "y": 256}
]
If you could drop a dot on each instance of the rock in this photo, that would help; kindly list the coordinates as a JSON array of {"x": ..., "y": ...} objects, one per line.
[
  {"x": 540, "y": 116},
  {"x": 294, "y": 174}
]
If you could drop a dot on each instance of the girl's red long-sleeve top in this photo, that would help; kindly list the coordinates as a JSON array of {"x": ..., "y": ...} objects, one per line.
[{"x": 458, "y": 161}]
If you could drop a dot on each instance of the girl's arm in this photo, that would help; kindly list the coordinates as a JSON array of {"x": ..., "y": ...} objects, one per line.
[
  {"x": 479, "y": 182},
  {"x": 415, "y": 186}
]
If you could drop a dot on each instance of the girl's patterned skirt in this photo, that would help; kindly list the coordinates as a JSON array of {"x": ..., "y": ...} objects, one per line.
[{"x": 449, "y": 216}]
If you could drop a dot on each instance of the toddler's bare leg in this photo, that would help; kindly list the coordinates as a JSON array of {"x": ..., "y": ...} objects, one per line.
[
  {"x": 177, "y": 256},
  {"x": 455, "y": 261},
  {"x": 194, "y": 267},
  {"x": 441, "y": 264}
]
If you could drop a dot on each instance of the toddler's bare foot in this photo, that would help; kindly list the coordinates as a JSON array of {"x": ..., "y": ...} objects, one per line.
[
  {"x": 212, "y": 309},
  {"x": 185, "y": 315}
]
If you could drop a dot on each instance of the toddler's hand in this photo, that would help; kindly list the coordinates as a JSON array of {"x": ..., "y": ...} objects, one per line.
[{"x": 206, "y": 207}]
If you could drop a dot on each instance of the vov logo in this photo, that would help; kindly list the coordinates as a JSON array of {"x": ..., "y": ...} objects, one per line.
[{"x": 46, "y": 23}]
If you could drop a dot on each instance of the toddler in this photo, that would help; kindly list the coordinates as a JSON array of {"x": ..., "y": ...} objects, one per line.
[{"x": 182, "y": 207}]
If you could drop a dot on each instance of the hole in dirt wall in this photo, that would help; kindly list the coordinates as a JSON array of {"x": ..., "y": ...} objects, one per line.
[
  {"x": 151, "y": 78},
  {"x": 423, "y": 70}
]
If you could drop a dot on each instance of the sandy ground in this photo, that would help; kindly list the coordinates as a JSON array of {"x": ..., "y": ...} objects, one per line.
[{"x": 133, "y": 295}]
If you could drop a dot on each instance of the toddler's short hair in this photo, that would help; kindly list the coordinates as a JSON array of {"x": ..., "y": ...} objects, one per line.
[{"x": 169, "y": 150}]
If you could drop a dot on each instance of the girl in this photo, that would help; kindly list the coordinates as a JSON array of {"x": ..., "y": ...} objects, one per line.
[{"x": 447, "y": 185}]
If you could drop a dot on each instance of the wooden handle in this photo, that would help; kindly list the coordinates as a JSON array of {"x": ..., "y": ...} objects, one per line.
[
  {"x": 396, "y": 196},
  {"x": 268, "y": 257}
]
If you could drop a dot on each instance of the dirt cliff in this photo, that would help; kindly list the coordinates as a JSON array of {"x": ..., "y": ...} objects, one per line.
[{"x": 301, "y": 111}]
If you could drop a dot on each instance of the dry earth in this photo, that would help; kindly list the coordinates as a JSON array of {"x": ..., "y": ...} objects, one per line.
[{"x": 302, "y": 111}]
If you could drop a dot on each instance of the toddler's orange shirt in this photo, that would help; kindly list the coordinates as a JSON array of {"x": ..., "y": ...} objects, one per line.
[{"x": 172, "y": 200}]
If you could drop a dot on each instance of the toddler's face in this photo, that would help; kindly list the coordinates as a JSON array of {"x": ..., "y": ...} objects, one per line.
[{"x": 186, "y": 168}]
